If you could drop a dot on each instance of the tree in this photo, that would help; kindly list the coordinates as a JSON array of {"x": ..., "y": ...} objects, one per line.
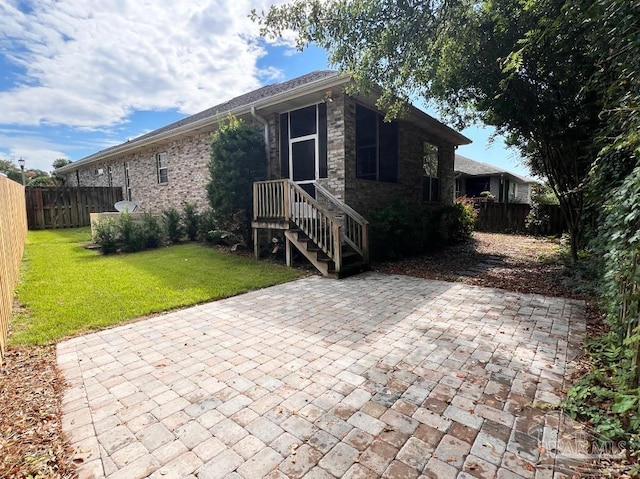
[
  {"x": 12, "y": 171},
  {"x": 521, "y": 66},
  {"x": 37, "y": 177},
  {"x": 59, "y": 163},
  {"x": 238, "y": 159}
]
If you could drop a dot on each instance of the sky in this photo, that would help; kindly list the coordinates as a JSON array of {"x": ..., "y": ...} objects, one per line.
[{"x": 78, "y": 76}]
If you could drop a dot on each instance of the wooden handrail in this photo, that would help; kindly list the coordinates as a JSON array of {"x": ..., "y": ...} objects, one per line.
[
  {"x": 339, "y": 204},
  {"x": 284, "y": 200},
  {"x": 356, "y": 228}
]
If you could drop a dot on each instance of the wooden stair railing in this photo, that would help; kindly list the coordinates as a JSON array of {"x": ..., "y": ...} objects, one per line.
[
  {"x": 282, "y": 204},
  {"x": 356, "y": 228}
]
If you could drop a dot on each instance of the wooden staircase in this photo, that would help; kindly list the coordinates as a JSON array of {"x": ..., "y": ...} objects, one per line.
[{"x": 336, "y": 244}]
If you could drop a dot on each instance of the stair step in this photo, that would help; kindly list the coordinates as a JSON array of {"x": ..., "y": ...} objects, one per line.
[{"x": 350, "y": 270}]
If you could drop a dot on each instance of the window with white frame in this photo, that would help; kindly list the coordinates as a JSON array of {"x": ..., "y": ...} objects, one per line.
[
  {"x": 163, "y": 170},
  {"x": 127, "y": 181},
  {"x": 431, "y": 182},
  {"x": 303, "y": 145}
]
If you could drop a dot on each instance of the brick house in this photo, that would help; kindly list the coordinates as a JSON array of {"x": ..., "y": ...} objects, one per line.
[{"x": 331, "y": 150}]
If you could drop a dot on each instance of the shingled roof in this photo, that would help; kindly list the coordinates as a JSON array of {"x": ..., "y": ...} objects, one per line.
[
  {"x": 244, "y": 100},
  {"x": 244, "y": 104},
  {"x": 471, "y": 167},
  {"x": 212, "y": 114}
]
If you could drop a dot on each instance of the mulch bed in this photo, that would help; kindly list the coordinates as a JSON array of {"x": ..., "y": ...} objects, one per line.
[{"x": 31, "y": 440}]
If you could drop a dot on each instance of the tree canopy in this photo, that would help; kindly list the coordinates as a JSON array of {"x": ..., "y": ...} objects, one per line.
[{"x": 12, "y": 171}]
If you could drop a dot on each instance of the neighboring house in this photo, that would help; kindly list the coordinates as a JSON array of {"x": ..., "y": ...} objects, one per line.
[
  {"x": 475, "y": 177},
  {"x": 334, "y": 146}
]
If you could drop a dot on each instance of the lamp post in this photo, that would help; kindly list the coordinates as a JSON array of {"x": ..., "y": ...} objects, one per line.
[{"x": 21, "y": 163}]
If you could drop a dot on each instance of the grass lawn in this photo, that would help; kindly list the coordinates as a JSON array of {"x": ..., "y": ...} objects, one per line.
[{"x": 65, "y": 289}]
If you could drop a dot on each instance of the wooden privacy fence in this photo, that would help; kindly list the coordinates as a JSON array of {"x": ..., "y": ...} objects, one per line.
[
  {"x": 13, "y": 231},
  {"x": 68, "y": 207},
  {"x": 511, "y": 217}
]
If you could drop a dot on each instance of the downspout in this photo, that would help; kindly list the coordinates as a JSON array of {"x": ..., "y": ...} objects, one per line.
[{"x": 264, "y": 123}]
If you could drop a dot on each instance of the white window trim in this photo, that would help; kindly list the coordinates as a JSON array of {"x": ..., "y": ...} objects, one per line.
[
  {"x": 314, "y": 136},
  {"x": 160, "y": 168},
  {"x": 127, "y": 181}
]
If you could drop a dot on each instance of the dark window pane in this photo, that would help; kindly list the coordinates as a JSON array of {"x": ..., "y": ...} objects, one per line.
[
  {"x": 304, "y": 161},
  {"x": 164, "y": 177},
  {"x": 430, "y": 189},
  {"x": 284, "y": 145},
  {"x": 477, "y": 185},
  {"x": 310, "y": 188},
  {"x": 366, "y": 143},
  {"x": 387, "y": 151},
  {"x": 322, "y": 140},
  {"x": 303, "y": 122}
]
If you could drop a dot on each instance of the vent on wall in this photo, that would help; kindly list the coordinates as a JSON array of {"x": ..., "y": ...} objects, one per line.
[{"x": 99, "y": 171}]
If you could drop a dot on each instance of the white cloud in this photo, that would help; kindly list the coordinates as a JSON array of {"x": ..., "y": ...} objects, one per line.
[
  {"x": 90, "y": 64},
  {"x": 39, "y": 147},
  {"x": 37, "y": 153}
]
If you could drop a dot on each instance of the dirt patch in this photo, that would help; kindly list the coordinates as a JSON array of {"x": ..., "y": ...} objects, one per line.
[
  {"x": 31, "y": 439},
  {"x": 517, "y": 263}
]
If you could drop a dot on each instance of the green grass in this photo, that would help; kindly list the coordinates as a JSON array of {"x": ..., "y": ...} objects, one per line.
[{"x": 65, "y": 289}]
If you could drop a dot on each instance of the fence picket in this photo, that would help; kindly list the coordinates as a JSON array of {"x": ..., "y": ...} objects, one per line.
[
  {"x": 510, "y": 218},
  {"x": 68, "y": 207},
  {"x": 13, "y": 231}
]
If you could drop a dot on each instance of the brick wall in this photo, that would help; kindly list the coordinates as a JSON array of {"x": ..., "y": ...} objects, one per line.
[
  {"x": 187, "y": 169},
  {"x": 188, "y": 173},
  {"x": 337, "y": 131},
  {"x": 365, "y": 196},
  {"x": 273, "y": 120}
]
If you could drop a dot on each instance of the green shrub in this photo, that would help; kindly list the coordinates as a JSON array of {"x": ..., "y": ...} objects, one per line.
[
  {"x": 399, "y": 230},
  {"x": 191, "y": 221},
  {"x": 537, "y": 221},
  {"x": 238, "y": 159},
  {"x": 131, "y": 234},
  {"x": 106, "y": 235},
  {"x": 208, "y": 226},
  {"x": 212, "y": 233},
  {"x": 172, "y": 225},
  {"x": 456, "y": 223},
  {"x": 152, "y": 231},
  {"x": 396, "y": 230}
]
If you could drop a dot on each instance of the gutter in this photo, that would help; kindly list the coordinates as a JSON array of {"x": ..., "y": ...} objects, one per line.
[{"x": 262, "y": 103}]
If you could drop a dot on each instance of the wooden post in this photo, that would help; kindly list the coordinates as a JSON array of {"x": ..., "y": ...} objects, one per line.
[
  {"x": 287, "y": 251},
  {"x": 337, "y": 245},
  {"x": 256, "y": 243},
  {"x": 255, "y": 204},
  {"x": 365, "y": 243},
  {"x": 287, "y": 200}
]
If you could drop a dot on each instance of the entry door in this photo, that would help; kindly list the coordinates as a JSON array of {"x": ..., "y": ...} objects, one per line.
[
  {"x": 304, "y": 165},
  {"x": 303, "y": 147}
]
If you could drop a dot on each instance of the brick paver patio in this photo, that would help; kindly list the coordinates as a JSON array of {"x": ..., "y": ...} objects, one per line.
[{"x": 371, "y": 376}]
